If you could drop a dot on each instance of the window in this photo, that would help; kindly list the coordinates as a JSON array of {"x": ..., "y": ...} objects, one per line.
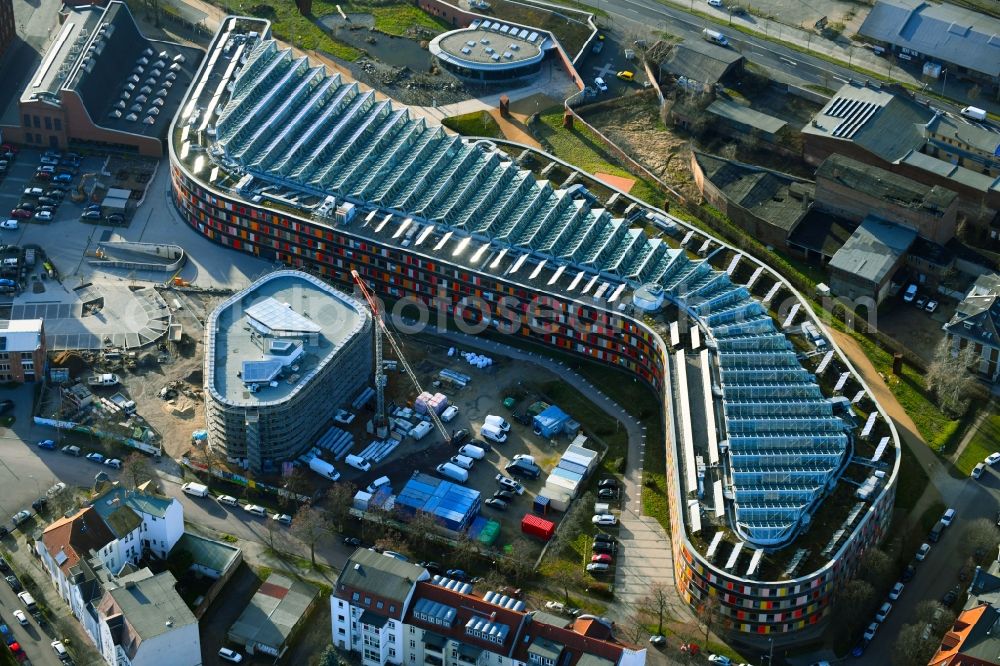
[
  {"x": 58, "y": 124},
  {"x": 341, "y": 631},
  {"x": 413, "y": 644},
  {"x": 392, "y": 652},
  {"x": 36, "y": 122},
  {"x": 392, "y": 608},
  {"x": 355, "y": 596},
  {"x": 341, "y": 618},
  {"x": 379, "y": 605},
  {"x": 27, "y": 120},
  {"x": 368, "y": 601},
  {"x": 48, "y": 123}
]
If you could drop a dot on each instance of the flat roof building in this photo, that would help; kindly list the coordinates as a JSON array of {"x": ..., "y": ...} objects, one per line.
[
  {"x": 699, "y": 61},
  {"x": 102, "y": 83},
  {"x": 22, "y": 346},
  {"x": 280, "y": 357},
  {"x": 943, "y": 33},
  {"x": 492, "y": 50},
  {"x": 273, "y": 615},
  {"x": 443, "y": 220},
  {"x": 864, "y": 266}
]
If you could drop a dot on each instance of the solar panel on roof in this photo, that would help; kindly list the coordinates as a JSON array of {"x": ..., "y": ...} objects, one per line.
[
  {"x": 523, "y": 33},
  {"x": 532, "y": 37}
]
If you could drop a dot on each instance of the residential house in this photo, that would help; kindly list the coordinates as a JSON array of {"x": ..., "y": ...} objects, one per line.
[
  {"x": 974, "y": 637},
  {"x": 67, "y": 542},
  {"x": 22, "y": 349},
  {"x": 976, "y": 322},
  {"x": 144, "y": 622},
  {"x": 394, "y": 612},
  {"x": 141, "y": 522}
]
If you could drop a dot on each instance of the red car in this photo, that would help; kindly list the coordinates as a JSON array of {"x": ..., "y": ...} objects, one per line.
[
  {"x": 10, "y": 147},
  {"x": 43, "y": 175},
  {"x": 20, "y": 213},
  {"x": 602, "y": 558}
]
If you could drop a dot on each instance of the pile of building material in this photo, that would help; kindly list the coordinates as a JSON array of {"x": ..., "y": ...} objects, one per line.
[
  {"x": 457, "y": 379},
  {"x": 426, "y": 403},
  {"x": 379, "y": 450},
  {"x": 338, "y": 442}
]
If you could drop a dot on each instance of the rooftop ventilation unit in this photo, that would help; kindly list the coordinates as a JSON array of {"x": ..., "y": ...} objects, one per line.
[
  {"x": 145, "y": 90},
  {"x": 170, "y": 76},
  {"x": 162, "y": 92},
  {"x": 149, "y": 120},
  {"x": 131, "y": 117},
  {"x": 179, "y": 58},
  {"x": 158, "y": 102},
  {"x": 148, "y": 52},
  {"x": 466, "y": 50},
  {"x": 175, "y": 67},
  {"x": 141, "y": 99},
  {"x": 115, "y": 113},
  {"x": 508, "y": 55}
]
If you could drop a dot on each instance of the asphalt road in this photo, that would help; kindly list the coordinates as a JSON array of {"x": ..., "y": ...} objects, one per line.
[
  {"x": 938, "y": 573},
  {"x": 786, "y": 64},
  {"x": 35, "y": 641}
]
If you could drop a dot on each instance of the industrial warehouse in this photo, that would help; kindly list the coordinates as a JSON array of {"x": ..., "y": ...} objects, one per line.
[{"x": 277, "y": 158}]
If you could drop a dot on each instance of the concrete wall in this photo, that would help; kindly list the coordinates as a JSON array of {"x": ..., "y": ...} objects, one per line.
[{"x": 215, "y": 588}]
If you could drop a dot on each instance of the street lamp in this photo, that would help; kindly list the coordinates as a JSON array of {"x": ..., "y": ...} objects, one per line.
[{"x": 944, "y": 83}]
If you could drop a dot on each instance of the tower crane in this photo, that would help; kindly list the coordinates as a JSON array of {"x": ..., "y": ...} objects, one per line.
[{"x": 382, "y": 329}]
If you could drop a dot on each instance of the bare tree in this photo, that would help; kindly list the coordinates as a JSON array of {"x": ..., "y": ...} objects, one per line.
[
  {"x": 295, "y": 483},
  {"x": 914, "y": 645},
  {"x": 309, "y": 525},
  {"x": 709, "y": 613},
  {"x": 979, "y": 539},
  {"x": 657, "y": 604},
  {"x": 935, "y": 614},
  {"x": 421, "y": 530},
  {"x": 565, "y": 576},
  {"x": 391, "y": 540},
  {"x": 339, "y": 499},
  {"x": 516, "y": 564},
  {"x": 949, "y": 378},
  {"x": 465, "y": 550},
  {"x": 875, "y": 568},
  {"x": 854, "y": 604},
  {"x": 632, "y": 627},
  {"x": 136, "y": 470}
]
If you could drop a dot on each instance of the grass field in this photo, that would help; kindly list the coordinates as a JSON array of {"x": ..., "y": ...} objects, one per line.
[
  {"x": 984, "y": 442},
  {"x": 477, "y": 123},
  {"x": 583, "y": 150},
  {"x": 397, "y": 19}
]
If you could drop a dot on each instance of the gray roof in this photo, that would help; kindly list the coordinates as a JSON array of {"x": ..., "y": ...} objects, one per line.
[
  {"x": 890, "y": 187},
  {"x": 969, "y": 134},
  {"x": 774, "y": 197},
  {"x": 958, "y": 174},
  {"x": 983, "y": 640},
  {"x": 743, "y": 115},
  {"x": 276, "y": 608},
  {"x": 887, "y": 124},
  {"x": 873, "y": 249},
  {"x": 942, "y": 31},
  {"x": 977, "y": 317},
  {"x": 211, "y": 554},
  {"x": 985, "y": 586},
  {"x": 545, "y": 648},
  {"x": 380, "y": 575},
  {"x": 150, "y": 602},
  {"x": 697, "y": 59}
]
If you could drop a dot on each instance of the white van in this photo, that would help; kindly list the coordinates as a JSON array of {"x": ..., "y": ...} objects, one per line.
[
  {"x": 196, "y": 489},
  {"x": 449, "y": 414},
  {"x": 465, "y": 462},
  {"x": 418, "y": 431},
  {"x": 377, "y": 483},
  {"x": 357, "y": 462},
  {"x": 256, "y": 510},
  {"x": 472, "y": 451},
  {"x": 974, "y": 112},
  {"x": 493, "y": 433},
  {"x": 497, "y": 421}
]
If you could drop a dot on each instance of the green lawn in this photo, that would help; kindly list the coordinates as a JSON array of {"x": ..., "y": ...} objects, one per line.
[
  {"x": 397, "y": 19},
  {"x": 477, "y": 123},
  {"x": 581, "y": 148},
  {"x": 984, "y": 442}
]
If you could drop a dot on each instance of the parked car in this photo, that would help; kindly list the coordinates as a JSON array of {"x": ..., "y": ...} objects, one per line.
[
  {"x": 49, "y": 160},
  {"x": 604, "y": 519},
  {"x": 931, "y": 306},
  {"x": 456, "y": 574},
  {"x": 95, "y": 458},
  {"x": 922, "y": 551},
  {"x": 607, "y": 483},
  {"x": 9, "y": 224},
  {"x": 352, "y": 541},
  {"x": 505, "y": 495},
  {"x": 47, "y": 444},
  {"x": 920, "y": 302},
  {"x": 598, "y": 567},
  {"x": 977, "y": 471},
  {"x": 20, "y": 213},
  {"x": 497, "y": 504},
  {"x": 555, "y": 606},
  {"x": 883, "y": 612},
  {"x": 60, "y": 650},
  {"x": 21, "y": 516},
  {"x": 719, "y": 659},
  {"x": 231, "y": 656},
  {"x": 523, "y": 468},
  {"x": 992, "y": 459},
  {"x": 607, "y": 493},
  {"x": 870, "y": 631},
  {"x": 908, "y": 573},
  {"x": 605, "y": 537},
  {"x": 948, "y": 516},
  {"x": 658, "y": 640},
  {"x": 603, "y": 547},
  {"x": 601, "y": 85},
  {"x": 255, "y": 510},
  {"x": 951, "y": 595},
  {"x": 43, "y": 175},
  {"x": 4, "y": 567},
  {"x": 6, "y": 406},
  {"x": 507, "y": 483},
  {"x": 90, "y": 215},
  {"x": 282, "y": 518},
  {"x": 896, "y": 590},
  {"x": 113, "y": 463},
  {"x": 432, "y": 567},
  {"x": 115, "y": 218},
  {"x": 56, "y": 488},
  {"x": 21, "y": 618},
  {"x": 39, "y": 504},
  {"x": 625, "y": 75},
  {"x": 228, "y": 499},
  {"x": 14, "y": 583},
  {"x": 63, "y": 178},
  {"x": 602, "y": 557},
  {"x": 44, "y": 215},
  {"x": 910, "y": 293},
  {"x": 459, "y": 437}
]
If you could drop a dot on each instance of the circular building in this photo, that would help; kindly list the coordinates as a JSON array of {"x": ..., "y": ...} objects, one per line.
[
  {"x": 489, "y": 51},
  {"x": 280, "y": 357}
]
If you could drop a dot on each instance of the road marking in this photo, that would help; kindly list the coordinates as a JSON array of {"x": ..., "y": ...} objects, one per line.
[
  {"x": 789, "y": 61},
  {"x": 840, "y": 78}
]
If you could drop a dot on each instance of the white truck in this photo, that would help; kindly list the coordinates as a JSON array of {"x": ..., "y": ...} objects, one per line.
[
  {"x": 195, "y": 489},
  {"x": 453, "y": 472},
  {"x": 324, "y": 469},
  {"x": 450, "y": 413},
  {"x": 715, "y": 37},
  {"x": 974, "y": 112}
]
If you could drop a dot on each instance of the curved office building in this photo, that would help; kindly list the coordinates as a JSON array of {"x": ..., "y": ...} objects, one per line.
[
  {"x": 492, "y": 51},
  {"x": 280, "y": 356},
  {"x": 781, "y": 468}
]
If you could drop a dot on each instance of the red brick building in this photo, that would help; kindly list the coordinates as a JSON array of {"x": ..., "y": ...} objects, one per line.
[{"x": 22, "y": 350}]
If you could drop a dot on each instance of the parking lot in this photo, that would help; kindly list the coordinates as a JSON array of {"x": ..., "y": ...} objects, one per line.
[{"x": 607, "y": 62}]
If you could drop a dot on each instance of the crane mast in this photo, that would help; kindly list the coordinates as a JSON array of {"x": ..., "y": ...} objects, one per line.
[{"x": 383, "y": 330}]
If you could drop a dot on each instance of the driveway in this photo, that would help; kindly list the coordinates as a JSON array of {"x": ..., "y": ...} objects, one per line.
[
  {"x": 224, "y": 611},
  {"x": 35, "y": 640}
]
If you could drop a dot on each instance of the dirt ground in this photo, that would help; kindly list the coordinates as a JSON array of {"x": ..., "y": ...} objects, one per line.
[
  {"x": 635, "y": 125},
  {"x": 916, "y": 330}
]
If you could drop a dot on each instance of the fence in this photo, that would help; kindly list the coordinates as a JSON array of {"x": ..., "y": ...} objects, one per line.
[
  {"x": 89, "y": 430},
  {"x": 166, "y": 251}
]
